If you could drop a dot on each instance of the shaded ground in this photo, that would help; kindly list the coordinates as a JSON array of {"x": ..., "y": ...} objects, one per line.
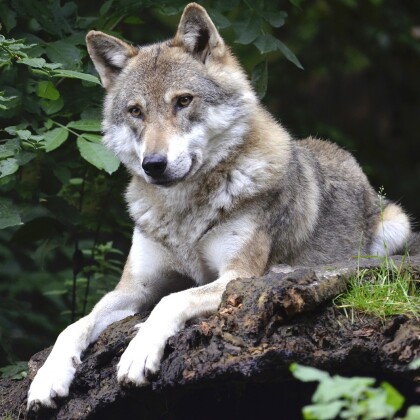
[{"x": 235, "y": 363}]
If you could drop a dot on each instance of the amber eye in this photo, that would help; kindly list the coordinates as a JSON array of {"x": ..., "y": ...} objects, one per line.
[
  {"x": 135, "y": 111},
  {"x": 184, "y": 101}
]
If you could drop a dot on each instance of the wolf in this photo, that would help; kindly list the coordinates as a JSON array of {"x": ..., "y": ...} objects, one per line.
[{"x": 219, "y": 190}]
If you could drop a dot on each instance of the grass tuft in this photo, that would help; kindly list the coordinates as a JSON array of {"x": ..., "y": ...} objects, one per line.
[{"x": 384, "y": 291}]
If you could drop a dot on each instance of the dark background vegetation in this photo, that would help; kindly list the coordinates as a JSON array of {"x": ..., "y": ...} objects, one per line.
[{"x": 64, "y": 228}]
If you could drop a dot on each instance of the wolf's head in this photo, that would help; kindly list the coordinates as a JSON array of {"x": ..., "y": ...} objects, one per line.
[{"x": 174, "y": 108}]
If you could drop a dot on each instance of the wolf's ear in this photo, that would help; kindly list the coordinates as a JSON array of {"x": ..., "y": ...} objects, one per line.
[
  {"x": 109, "y": 55},
  {"x": 198, "y": 35}
]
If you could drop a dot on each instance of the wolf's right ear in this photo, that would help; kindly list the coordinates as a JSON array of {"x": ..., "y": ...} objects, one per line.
[
  {"x": 109, "y": 55},
  {"x": 198, "y": 35}
]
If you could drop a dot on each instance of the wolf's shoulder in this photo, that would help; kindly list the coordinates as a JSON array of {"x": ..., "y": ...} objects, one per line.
[{"x": 332, "y": 158}]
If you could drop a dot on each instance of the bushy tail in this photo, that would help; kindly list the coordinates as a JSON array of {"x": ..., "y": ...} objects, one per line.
[{"x": 393, "y": 231}]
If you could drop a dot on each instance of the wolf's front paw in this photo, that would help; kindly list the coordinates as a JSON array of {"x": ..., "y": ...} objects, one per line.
[
  {"x": 52, "y": 380},
  {"x": 141, "y": 359}
]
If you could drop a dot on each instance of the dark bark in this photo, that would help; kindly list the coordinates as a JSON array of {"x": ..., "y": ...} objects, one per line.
[{"x": 235, "y": 363}]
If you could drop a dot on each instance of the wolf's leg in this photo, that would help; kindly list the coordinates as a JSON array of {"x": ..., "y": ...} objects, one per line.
[
  {"x": 142, "y": 283},
  {"x": 392, "y": 231},
  {"x": 142, "y": 356},
  {"x": 237, "y": 257}
]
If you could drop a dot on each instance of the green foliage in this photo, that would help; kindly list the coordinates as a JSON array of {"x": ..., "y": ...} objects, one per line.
[
  {"x": 350, "y": 398},
  {"x": 17, "y": 370}
]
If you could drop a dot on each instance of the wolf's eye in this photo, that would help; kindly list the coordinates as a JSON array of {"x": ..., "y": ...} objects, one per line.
[
  {"x": 135, "y": 111},
  {"x": 184, "y": 101}
]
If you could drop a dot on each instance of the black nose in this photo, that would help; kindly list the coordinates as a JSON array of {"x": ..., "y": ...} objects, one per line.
[{"x": 154, "y": 165}]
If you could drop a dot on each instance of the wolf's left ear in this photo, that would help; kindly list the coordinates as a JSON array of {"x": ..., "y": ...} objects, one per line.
[
  {"x": 198, "y": 35},
  {"x": 109, "y": 55}
]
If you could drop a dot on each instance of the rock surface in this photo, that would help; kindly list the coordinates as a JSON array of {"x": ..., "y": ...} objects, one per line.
[{"x": 235, "y": 363}]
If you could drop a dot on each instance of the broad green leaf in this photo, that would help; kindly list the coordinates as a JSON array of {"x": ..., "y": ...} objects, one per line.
[
  {"x": 393, "y": 397},
  {"x": 37, "y": 63},
  {"x": 23, "y": 157},
  {"x": 47, "y": 90},
  {"x": 64, "y": 52},
  {"x": 8, "y": 167},
  {"x": 219, "y": 19},
  {"x": 24, "y": 134},
  {"x": 260, "y": 78},
  {"x": 86, "y": 125},
  {"x": 375, "y": 405},
  {"x": 95, "y": 138},
  {"x": 104, "y": 9},
  {"x": 339, "y": 387},
  {"x": 97, "y": 155},
  {"x": 70, "y": 74},
  {"x": 247, "y": 30},
  {"x": 289, "y": 54},
  {"x": 9, "y": 148},
  {"x": 322, "y": 411},
  {"x": 413, "y": 413},
  {"x": 415, "y": 364},
  {"x": 307, "y": 373},
  {"x": 9, "y": 213},
  {"x": 275, "y": 18},
  {"x": 8, "y": 17},
  {"x": 18, "y": 370},
  {"x": 51, "y": 107},
  {"x": 266, "y": 43},
  {"x": 55, "y": 138}
]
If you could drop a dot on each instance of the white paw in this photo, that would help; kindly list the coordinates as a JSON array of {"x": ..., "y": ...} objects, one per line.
[
  {"x": 141, "y": 359},
  {"x": 52, "y": 380}
]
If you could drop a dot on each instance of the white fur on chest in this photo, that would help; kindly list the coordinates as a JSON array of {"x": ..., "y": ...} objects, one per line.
[{"x": 197, "y": 241}]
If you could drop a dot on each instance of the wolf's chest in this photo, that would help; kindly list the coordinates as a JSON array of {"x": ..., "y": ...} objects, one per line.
[{"x": 182, "y": 234}]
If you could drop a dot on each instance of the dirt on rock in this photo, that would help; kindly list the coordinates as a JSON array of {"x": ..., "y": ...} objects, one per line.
[{"x": 235, "y": 363}]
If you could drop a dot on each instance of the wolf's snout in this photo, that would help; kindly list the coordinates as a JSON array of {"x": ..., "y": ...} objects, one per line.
[{"x": 154, "y": 165}]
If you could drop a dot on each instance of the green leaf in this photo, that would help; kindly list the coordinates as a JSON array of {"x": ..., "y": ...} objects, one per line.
[
  {"x": 219, "y": 19},
  {"x": 9, "y": 148},
  {"x": 338, "y": 387},
  {"x": 85, "y": 125},
  {"x": 64, "y": 52},
  {"x": 24, "y": 134},
  {"x": 8, "y": 167},
  {"x": 247, "y": 30},
  {"x": 51, "y": 107},
  {"x": 37, "y": 63},
  {"x": 260, "y": 78},
  {"x": 47, "y": 90},
  {"x": 9, "y": 213},
  {"x": 104, "y": 9},
  {"x": 95, "y": 138},
  {"x": 70, "y": 74},
  {"x": 307, "y": 373},
  {"x": 393, "y": 397},
  {"x": 266, "y": 43},
  {"x": 18, "y": 370},
  {"x": 55, "y": 138},
  {"x": 289, "y": 54},
  {"x": 97, "y": 155},
  {"x": 322, "y": 411},
  {"x": 413, "y": 413},
  {"x": 415, "y": 364},
  {"x": 275, "y": 18}
]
